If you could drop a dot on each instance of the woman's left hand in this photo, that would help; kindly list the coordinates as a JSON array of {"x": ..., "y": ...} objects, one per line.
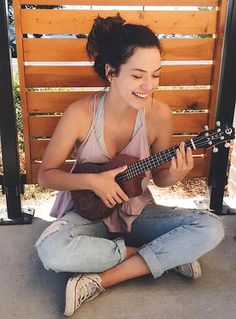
[{"x": 183, "y": 162}]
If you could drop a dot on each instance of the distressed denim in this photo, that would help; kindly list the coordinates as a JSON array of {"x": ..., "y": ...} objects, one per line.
[{"x": 166, "y": 237}]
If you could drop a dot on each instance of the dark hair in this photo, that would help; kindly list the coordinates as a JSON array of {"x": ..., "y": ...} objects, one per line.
[{"x": 113, "y": 41}]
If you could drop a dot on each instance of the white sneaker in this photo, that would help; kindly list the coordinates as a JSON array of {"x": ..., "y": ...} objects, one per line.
[
  {"x": 191, "y": 270},
  {"x": 79, "y": 289}
]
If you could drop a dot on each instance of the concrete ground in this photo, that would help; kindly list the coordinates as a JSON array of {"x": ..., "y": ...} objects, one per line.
[{"x": 28, "y": 291}]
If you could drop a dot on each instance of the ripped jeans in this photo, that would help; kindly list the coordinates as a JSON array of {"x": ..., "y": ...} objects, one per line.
[{"x": 166, "y": 237}]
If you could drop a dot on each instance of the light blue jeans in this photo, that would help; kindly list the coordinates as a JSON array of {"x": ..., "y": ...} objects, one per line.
[{"x": 166, "y": 237}]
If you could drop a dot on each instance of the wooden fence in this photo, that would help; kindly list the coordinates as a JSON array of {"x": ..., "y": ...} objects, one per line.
[{"x": 55, "y": 72}]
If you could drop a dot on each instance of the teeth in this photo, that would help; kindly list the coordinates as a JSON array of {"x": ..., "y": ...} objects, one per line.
[{"x": 141, "y": 95}]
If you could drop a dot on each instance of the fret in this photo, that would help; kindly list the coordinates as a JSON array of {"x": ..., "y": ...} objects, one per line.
[
  {"x": 140, "y": 168},
  {"x": 145, "y": 165},
  {"x": 202, "y": 140},
  {"x": 161, "y": 157},
  {"x": 169, "y": 152},
  {"x": 149, "y": 163},
  {"x": 165, "y": 157},
  {"x": 128, "y": 173},
  {"x": 157, "y": 159},
  {"x": 153, "y": 161}
]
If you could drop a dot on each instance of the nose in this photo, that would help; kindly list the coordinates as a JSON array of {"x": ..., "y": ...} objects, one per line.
[{"x": 149, "y": 84}]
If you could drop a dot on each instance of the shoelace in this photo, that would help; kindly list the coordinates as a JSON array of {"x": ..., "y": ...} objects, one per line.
[{"x": 88, "y": 290}]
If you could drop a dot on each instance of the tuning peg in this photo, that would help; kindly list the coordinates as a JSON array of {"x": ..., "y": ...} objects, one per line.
[
  {"x": 227, "y": 144},
  {"x": 215, "y": 149},
  {"x": 218, "y": 123},
  {"x": 206, "y": 128}
]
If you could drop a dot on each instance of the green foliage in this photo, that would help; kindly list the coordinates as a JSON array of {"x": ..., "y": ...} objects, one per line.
[
  {"x": 17, "y": 103},
  {"x": 10, "y": 11}
]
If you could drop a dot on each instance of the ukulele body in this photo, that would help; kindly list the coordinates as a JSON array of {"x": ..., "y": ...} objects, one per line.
[{"x": 90, "y": 206}]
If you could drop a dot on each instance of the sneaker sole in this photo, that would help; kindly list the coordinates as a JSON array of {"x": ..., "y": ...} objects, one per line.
[
  {"x": 70, "y": 302},
  {"x": 197, "y": 272}
]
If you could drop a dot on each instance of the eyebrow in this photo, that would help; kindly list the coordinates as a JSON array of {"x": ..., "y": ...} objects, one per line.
[{"x": 144, "y": 70}]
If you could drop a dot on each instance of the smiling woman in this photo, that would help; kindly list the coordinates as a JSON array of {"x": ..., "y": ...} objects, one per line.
[{"x": 120, "y": 125}]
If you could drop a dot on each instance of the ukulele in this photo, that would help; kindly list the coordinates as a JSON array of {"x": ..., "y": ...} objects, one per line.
[{"x": 90, "y": 206}]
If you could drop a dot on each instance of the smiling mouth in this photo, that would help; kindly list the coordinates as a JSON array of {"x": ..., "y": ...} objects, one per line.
[{"x": 141, "y": 96}]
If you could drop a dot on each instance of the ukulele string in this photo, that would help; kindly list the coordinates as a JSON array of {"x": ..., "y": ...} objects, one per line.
[{"x": 198, "y": 142}]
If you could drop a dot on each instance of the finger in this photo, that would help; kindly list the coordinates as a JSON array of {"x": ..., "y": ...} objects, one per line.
[
  {"x": 189, "y": 158},
  {"x": 119, "y": 170},
  {"x": 118, "y": 199},
  {"x": 107, "y": 203},
  {"x": 182, "y": 149},
  {"x": 179, "y": 159},
  {"x": 111, "y": 200},
  {"x": 173, "y": 163},
  {"x": 122, "y": 195}
]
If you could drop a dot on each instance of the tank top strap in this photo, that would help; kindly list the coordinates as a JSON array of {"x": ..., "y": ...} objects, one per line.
[
  {"x": 78, "y": 148},
  {"x": 98, "y": 124},
  {"x": 140, "y": 119},
  {"x": 98, "y": 109}
]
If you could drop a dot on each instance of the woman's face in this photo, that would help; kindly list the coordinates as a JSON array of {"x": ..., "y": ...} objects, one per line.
[{"x": 138, "y": 77}]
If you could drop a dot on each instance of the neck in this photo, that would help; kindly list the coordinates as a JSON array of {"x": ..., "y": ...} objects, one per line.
[{"x": 116, "y": 106}]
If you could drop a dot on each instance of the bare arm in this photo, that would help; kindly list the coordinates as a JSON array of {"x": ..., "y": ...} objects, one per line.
[
  {"x": 170, "y": 173},
  {"x": 73, "y": 126}
]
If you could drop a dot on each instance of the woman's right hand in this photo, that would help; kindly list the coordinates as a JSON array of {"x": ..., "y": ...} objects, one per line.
[{"x": 105, "y": 186}]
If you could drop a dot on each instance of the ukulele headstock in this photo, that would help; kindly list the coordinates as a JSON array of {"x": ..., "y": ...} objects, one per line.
[{"x": 209, "y": 138}]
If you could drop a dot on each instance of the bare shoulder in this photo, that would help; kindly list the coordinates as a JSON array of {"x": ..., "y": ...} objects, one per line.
[
  {"x": 71, "y": 129},
  {"x": 80, "y": 109},
  {"x": 79, "y": 115}
]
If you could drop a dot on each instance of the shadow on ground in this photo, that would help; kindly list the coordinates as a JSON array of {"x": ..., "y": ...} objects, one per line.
[{"x": 29, "y": 291}]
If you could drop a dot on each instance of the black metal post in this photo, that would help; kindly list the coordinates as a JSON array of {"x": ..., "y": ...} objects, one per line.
[
  {"x": 217, "y": 178},
  {"x": 11, "y": 180}
]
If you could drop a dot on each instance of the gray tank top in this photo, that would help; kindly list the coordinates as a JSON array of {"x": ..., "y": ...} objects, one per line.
[
  {"x": 99, "y": 124},
  {"x": 93, "y": 149}
]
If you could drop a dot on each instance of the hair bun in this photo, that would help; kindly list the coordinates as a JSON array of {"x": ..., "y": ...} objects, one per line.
[{"x": 101, "y": 28}]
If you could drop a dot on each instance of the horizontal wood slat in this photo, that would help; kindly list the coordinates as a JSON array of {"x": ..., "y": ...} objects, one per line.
[
  {"x": 84, "y": 76},
  {"x": 43, "y": 126},
  {"x": 188, "y": 49},
  {"x": 174, "y": 49},
  {"x": 38, "y": 146},
  {"x": 184, "y": 99},
  {"x": 189, "y": 122},
  {"x": 199, "y": 169},
  {"x": 75, "y": 21},
  {"x": 124, "y": 2},
  {"x": 42, "y": 102}
]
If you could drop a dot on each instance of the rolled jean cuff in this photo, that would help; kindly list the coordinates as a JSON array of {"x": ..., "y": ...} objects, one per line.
[
  {"x": 121, "y": 247},
  {"x": 151, "y": 260}
]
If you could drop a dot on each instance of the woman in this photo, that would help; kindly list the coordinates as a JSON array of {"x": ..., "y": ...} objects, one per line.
[{"x": 139, "y": 237}]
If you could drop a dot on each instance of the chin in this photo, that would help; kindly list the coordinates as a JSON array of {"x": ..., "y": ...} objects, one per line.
[{"x": 140, "y": 102}]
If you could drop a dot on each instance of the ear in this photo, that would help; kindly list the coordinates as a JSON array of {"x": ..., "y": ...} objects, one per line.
[{"x": 109, "y": 71}]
